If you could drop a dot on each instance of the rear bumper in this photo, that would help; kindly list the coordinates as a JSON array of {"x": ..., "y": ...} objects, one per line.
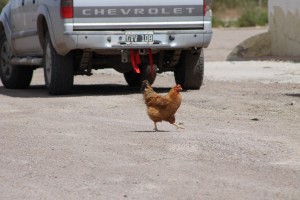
[{"x": 163, "y": 39}]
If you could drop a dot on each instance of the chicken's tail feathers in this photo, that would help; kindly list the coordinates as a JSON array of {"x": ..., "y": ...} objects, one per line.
[{"x": 145, "y": 84}]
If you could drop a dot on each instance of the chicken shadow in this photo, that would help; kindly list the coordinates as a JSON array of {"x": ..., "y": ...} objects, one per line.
[
  {"x": 293, "y": 95},
  {"x": 40, "y": 91},
  {"x": 159, "y": 131}
]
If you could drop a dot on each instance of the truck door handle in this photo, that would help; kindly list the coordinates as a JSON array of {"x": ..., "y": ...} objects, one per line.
[
  {"x": 33, "y": 1},
  {"x": 23, "y": 2}
]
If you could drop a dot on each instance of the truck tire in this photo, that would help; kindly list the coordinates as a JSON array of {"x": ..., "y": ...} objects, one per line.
[
  {"x": 189, "y": 71},
  {"x": 58, "y": 69},
  {"x": 134, "y": 79},
  {"x": 12, "y": 76}
]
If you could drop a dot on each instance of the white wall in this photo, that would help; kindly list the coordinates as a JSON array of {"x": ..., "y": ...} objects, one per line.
[{"x": 284, "y": 22}]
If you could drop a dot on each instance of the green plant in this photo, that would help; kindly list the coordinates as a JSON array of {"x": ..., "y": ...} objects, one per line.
[{"x": 2, "y": 4}]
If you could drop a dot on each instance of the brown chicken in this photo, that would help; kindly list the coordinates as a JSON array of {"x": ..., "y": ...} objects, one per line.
[{"x": 162, "y": 108}]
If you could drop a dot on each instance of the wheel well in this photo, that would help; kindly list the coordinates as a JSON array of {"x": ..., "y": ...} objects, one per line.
[{"x": 42, "y": 27}]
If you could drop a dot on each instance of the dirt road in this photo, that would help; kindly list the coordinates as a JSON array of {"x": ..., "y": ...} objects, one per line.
[{"x": 241, "y": 138}]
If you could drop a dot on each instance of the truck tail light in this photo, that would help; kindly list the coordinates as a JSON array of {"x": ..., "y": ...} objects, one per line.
[
  {"x": 206, "y": 6},
  {"x": 66, "y": 9}
]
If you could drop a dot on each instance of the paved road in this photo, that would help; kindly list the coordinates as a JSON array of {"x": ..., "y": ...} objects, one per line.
[{"x": 241, "y": 138}]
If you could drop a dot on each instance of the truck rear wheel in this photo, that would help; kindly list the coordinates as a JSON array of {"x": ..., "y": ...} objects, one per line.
[
  {"x": 58, "y": 70},
  {"x": 12, "y": 76},
  {"x": 134, "y": 79},
  {"x": 189, "y": 71}
]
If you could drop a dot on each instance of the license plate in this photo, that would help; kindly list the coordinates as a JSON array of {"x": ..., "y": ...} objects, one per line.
[{"x": 139, "y": 38}]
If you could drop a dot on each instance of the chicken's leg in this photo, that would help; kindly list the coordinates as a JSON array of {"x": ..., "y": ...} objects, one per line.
[{"x": 155, "y": 127}]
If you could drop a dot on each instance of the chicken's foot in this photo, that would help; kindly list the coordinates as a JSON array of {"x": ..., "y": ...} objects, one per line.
[{"x": 178, "y": 125}]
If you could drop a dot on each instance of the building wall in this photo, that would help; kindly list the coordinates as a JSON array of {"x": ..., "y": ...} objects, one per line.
[{"x": 284, "y": 22}]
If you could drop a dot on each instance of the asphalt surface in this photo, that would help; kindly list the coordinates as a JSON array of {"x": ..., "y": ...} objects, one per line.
[{"x": 241, "y": 138}]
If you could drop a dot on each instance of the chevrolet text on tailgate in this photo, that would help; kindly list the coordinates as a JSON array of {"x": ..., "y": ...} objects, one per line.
[{"x": 74, "y": 37}]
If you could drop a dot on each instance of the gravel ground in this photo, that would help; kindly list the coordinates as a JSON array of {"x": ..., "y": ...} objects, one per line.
[{"x": 241, "y": 138}]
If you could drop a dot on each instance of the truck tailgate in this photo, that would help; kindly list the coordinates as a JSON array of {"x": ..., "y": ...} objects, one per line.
[{"x": 137, "y": 14}]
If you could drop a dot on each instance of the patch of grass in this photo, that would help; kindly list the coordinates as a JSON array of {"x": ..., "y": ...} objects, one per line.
[
  {"x": 252, "y": 18},
  {"x": 217, "y": 22},
  {"x": 248, "y": 13},
  {"x": 220, "y": 4}
]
